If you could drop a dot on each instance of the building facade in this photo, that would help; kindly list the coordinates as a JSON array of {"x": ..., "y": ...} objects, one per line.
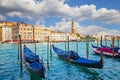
[
  {"x": 25, "y": 30},
  {"x": 10, "y": 31},
  {"x": 6, "y": 34},
  {"x": 6, "y": 31},
  {"x": 73, "y": 30},
  {"x": 58, "y": 36},
  {"x": 41, "y": 33}
]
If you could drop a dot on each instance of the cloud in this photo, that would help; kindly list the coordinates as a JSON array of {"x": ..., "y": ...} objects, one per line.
[
  {"x": 40, "y": 9},
  {"x": 108, "y": 16},
  {"x": 12, "y": 14},
  {"x": 84, "y": 30},
  {"x": 2, "y": 17}
]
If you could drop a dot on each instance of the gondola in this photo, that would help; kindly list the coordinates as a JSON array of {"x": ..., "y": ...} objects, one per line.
[
  {"x": 33, "y": 62},
  {"x": 116, "y": 48},
  {"x": 106, "y": 51},
  {"x": 74, "y": 58}
]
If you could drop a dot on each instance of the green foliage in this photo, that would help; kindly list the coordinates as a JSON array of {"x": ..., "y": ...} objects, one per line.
[
  {"x": 78, "y": 35},
  {"x": 90, "y": 37}
]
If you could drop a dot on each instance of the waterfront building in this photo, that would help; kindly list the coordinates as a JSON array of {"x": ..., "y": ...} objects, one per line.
[
  {"x": 41, "y": 33},
  {"x": 9, "y": 31},
  {"x": 37, "y": 33},
  {"x": 6, "y": 31},
  {"x": 46, "y": 32},
  {"x": 104, "y": 36},
  {"x": 73, "y": 37},
  {"x": 23, "y": 29},
  {"x": 58, "y": 36}
]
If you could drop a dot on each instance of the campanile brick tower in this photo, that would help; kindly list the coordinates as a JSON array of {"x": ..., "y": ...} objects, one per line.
[{"x": 73, "y": 30}]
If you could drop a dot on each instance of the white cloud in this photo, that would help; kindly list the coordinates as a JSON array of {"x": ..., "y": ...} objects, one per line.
[
  {"x": 2, "y": 17},
  {"x": 12, "y": 14},
  {"x": 108, "y": 16},
  {"x": 37, "y": 9},
  {"x": 85, "y": 30}
]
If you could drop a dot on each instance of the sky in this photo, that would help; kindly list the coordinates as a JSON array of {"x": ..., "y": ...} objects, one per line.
[{"x": 90, "y": 16}]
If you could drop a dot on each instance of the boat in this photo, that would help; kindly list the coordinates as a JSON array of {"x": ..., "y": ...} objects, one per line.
[
  {"x": 73, "y": 57},
  {"x": 33, "y": 62},
  {"x": 106, "y": 51},
  {"x": 116, "y": 48}
]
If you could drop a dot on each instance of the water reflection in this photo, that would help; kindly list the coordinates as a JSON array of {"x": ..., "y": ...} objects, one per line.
[{"x": 90, "y": 73}]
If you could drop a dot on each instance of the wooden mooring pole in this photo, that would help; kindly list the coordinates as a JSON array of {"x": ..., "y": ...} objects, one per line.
[
  {"x": 48, "y": 67},
  {"x": 87, "y": 48},
  {"x": 68, "y": 50},
  {"x": 118, "y": 42},
  {"x": 76, "y": 45},
  {"x": 35, "y": 47},
  {"x": 20, "y": 46},
  {"x": 113, "y": 46},
  {"x": 105, "y": 41},
  {"x": 50, "y": 49},
  {"x": 18, "y": 51},
  {"x": 65, "y": 45},
  {"x": 97, "y": 42},
  {"x": 101, "y": 55}
]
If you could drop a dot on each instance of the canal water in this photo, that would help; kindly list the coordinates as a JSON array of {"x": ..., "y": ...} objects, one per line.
[{"x": 59, "y": 69}]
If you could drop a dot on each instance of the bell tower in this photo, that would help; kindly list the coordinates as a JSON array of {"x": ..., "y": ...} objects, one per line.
[{"x": 73, "y": 29}]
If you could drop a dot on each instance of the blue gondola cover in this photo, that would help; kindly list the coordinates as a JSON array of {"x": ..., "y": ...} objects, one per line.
[
  {"x": 36, "y": 65},
  {"x": 29, "y": 55}
]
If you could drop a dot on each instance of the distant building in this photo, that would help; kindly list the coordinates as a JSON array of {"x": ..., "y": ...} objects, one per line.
[
  {"x": 98, "y": 36},
  {"x": 73, "y": 34},
  {"x": 25, "y": 30},
  {"x": 37, "y": 33},
  {"x": 41, "y": 33},
  {"x": 73, "y": 30},
  {"x": 6, "y": 31},
  {"x": 73, "y": 37},
  {"x": 58, "y": 36},
  {"x": 9, "y": 31}
]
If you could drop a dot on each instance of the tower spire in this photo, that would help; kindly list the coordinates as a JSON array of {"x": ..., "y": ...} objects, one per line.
[{"x": 73, "y": 30}]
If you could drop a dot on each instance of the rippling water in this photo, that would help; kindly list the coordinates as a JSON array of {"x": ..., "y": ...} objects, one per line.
[{"x": 59, "y": 69}]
